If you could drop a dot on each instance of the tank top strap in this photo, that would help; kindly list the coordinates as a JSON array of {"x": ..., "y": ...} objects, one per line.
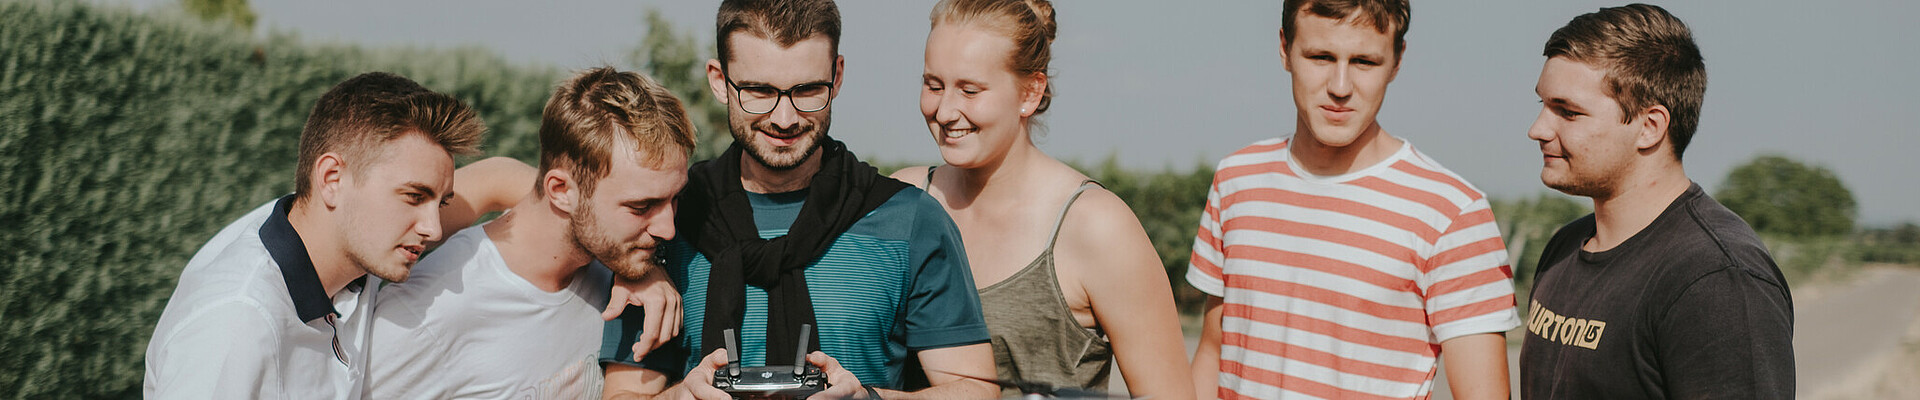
[
  {"x": 1054, "y": 237},
  {"x": 929, "y": 185}
]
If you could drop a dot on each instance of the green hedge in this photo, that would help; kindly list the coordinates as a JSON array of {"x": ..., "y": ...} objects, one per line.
[{"x": 127, "y": 140}]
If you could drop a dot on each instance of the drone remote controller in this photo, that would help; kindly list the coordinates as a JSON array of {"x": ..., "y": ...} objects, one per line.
[{"x": 796, "y": 381}]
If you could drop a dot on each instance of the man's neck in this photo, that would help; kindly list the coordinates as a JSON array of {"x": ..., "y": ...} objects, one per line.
[
  {"x": 323, "y": 245},
  {"x": 1373, "y": 146},
  {"x": 534, "y": 241},
  {"x": 1639, "y": 199},
  {"x": 758, "y": 178}
]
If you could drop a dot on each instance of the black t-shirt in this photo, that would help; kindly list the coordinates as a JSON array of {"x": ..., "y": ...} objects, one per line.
[{"x": 1690, "y": 307}]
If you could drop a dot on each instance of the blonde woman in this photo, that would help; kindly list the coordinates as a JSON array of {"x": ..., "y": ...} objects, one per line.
[{"x": 1068, "y": 279}]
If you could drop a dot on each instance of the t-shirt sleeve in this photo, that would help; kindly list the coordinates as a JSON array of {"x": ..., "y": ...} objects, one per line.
[
  {"x": 943, "y": 307},
  {"x": 1467, "y": 282},
  {"x": 1728, "y": 335},
  {"x": 1204, "y": 270},
  {"x": 226, "y": 350}
]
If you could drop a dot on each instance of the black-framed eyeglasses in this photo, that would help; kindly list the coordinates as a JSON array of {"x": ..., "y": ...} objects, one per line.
[{"x": 761, "y": 99}]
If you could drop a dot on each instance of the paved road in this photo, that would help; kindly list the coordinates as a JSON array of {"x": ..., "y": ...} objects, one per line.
[{"x": 1839, "y": 333}]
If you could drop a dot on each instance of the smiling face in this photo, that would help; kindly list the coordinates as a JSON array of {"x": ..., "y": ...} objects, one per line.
[
  {"x": 785, "y": 137},
  {"x": 1340, "y": 71},
  {"x": 391, "y": 207},
  {"x": 630, "y": 212},
  {"x": 973, "y": 103},
  {"x": 1585, "y": 146}
]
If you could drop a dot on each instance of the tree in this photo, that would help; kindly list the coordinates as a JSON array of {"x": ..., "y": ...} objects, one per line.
[
  {"x": 1527, "y": 224},
  {"x": 680, "y": 64},
  {"x": 237, "y": 12},
  {"x": 1782, "y": 196}
]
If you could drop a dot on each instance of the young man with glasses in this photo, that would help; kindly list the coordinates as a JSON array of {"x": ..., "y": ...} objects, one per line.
[
  {"x": 789, "y": 229},
  {"x": 1340, "y": 262}
]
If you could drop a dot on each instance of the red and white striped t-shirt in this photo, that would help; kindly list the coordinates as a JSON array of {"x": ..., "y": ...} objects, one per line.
[{"x": 1344, "y": 286}]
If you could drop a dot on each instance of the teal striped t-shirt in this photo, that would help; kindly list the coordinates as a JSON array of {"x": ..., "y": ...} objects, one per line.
[{"x": 894, "y": 283}]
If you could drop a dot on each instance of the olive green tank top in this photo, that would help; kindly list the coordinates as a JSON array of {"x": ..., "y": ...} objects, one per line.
[{"x": 1034, "y": 335}]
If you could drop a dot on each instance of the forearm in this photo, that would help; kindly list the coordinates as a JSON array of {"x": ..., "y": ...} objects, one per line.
[
  {"x": 947, "y": 370},
  {"x": 1206, "y": 358},
  {"x": 625, "y": 381},
  {"x": 956, "y": 389},
  {"x": 1476, "y": 366},
  {"x": 1145, "y": 333}
]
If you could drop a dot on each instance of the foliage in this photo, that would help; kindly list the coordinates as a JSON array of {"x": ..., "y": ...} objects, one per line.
[
  {"x": 1896, "y": 245},
  {"x": 1169, "y": 205},
  {"x": 1527, "y": 225},
  {"x": 1802, "y": 258},
  {"x": 679, "y": 62},
  {"x": 237, "y": 12},
  {"x": 1777, "y": 195},
  {"x": 127, "y": 140}
]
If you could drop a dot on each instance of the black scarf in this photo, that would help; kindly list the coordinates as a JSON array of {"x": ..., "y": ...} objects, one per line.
[{"x": 717, "y": 218}]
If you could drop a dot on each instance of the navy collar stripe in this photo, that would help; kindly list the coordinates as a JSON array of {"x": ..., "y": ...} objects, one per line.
[{"x": 310, "y": 299}]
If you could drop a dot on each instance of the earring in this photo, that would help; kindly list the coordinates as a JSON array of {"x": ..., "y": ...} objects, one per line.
[{"x": 1023, "y": 110}]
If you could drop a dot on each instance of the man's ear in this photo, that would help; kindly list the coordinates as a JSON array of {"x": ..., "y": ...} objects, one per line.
[
  {"x": 839, "y": 66},
  {"x": 1286, "y": 63},
  {"x": 1652, "y": 127},
  {"x": 560, "y": 190},
  {"x": 329, "y": 176},
  {"x": 717, "y": 82},
  {"x": 1399, "y": 57}
]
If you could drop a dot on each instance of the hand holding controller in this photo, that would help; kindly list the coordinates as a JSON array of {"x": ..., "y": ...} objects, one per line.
[{"x": 800, "y": 380}]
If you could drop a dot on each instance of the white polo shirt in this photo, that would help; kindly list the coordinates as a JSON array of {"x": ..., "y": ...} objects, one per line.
[{"x": 249, "y": 319}]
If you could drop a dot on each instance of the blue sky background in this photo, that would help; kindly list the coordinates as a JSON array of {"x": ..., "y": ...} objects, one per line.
[{"x": 1172, "y": 84}]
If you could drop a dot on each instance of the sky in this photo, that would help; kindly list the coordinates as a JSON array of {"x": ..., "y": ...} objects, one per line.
[{"x": 1175, "y": 84}]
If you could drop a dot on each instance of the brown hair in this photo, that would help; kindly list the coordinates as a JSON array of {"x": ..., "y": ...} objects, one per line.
[
  {"x": 599, "y": 108},
  {"x": 1029, "y": 23},
  {"x": 1383, "y": 15},
  {"x": 1649, "y": 57},
  {"x": 355, "y": 117},
  {"x": 784, "y": 21}
]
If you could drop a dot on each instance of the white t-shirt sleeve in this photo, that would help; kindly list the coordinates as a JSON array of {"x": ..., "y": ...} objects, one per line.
[
  {"x": 1469, "y": 285},
  {"x": 226, "y": 350},
  {"x": 1205, "y": 268}
]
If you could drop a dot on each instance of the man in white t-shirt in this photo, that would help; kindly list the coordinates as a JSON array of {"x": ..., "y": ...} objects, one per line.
[
  {"x": 512, "y": 308},
  {"x": 276, "y": 304},
  {"x": 1341, "y": 262}
]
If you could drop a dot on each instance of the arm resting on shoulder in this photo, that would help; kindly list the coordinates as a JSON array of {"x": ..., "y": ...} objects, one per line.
[{"x": 485, "y": 186}]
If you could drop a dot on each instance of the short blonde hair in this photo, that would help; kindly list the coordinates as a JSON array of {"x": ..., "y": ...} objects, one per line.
[{"x": 599, "y": 108}]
